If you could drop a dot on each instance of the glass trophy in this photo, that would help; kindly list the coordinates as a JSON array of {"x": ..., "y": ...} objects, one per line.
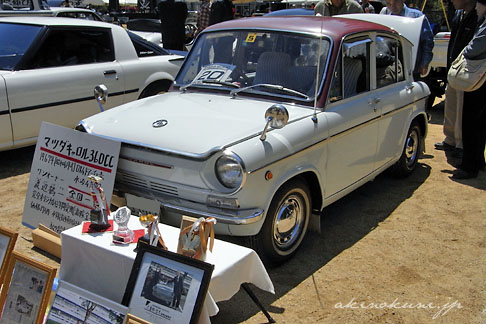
[{"x": 122, "y": 234}]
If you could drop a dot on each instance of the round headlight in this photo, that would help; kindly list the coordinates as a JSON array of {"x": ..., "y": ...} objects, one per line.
[{"x": 229, "y": 171}]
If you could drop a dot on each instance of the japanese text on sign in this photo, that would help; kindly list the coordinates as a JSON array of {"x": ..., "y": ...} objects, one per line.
[{"x": 58, "y": 193}]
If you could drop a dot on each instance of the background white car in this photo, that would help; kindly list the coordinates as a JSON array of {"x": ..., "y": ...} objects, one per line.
[
  {"x": 275, "y": 118},
  {"x": 50, "y": 66}
]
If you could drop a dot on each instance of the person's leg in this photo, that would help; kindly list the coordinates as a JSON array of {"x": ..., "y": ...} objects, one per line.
[
  {"x": 459, "y": 96},
  {"x": 471, "y": 136},
  {"x": 450, "y": 115}
]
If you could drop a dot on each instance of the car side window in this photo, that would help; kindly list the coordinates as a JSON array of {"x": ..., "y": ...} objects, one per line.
[
  {"x": 352, "y": 71},
  {"x": 389, "y": 58},
  {"x": 73, "y": 47}
]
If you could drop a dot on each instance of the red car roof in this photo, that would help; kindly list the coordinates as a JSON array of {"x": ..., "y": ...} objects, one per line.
[{"x": 334, "y": 27}]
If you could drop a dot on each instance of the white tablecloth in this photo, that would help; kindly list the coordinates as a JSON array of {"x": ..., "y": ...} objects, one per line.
[{"x": 93, "y": 262}]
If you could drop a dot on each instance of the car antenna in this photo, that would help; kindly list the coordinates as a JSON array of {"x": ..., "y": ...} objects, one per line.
[{"x": 316, "y": 90}]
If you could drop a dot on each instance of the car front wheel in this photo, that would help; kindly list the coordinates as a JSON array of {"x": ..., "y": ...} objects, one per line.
[
  {"x": 285, "y": 224},
  {"x": 410, "y": 154}
]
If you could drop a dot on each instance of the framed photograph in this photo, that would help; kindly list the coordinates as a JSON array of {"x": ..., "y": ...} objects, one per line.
[
  {"x": 72, "y": 304},
  {"x": 26, "y": 290},
  {"x": 166, "y": 287},
  {"x": 132, "y": 319},
  {"x": 7, "y": 243}
]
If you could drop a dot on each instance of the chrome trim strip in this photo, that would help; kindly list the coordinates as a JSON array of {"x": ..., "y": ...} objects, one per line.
[
  {"x": 146, "y": 162},
  {"x": 244, "y": 217},
  {"x": 66, "y": 102}
]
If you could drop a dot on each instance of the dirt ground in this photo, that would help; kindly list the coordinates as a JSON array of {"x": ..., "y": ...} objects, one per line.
[{"x": 393, "y": 251}]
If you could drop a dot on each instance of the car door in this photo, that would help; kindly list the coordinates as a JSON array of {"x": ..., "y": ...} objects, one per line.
[
  {"x": 5, "y": 124},
  {"x": 393, "y": 97},
  {"x": 56, "y": 83},
  {"x": 352, "y": 118}
]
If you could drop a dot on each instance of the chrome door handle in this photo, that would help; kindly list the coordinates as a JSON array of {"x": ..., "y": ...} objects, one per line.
[
  {"x": 373, "y": 102},
  {"x": 110, "y": 72}
]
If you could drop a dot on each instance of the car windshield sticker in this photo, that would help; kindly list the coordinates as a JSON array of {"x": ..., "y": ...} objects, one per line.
[
  {"x": 214, "y": 73},
  {"x": 250, "y": 38}
]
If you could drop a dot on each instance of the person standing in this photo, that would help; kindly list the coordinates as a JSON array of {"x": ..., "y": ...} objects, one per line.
[
  {"x": 367, "y": 6},
  {"x": 426, "y": 42},
  {"x": 203, "y": 15},
  {"x": 173, "y": 20},
  {"x": 474, "y": 112},
  {"x": 337, "y": 7},
  {"x": 463, "y": 26},
  {"x": 221, "y": 10},
  {"x": 178, "y": 281}
]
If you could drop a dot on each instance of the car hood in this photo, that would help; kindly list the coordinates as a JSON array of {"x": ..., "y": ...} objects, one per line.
[
  {"x": 196, "y": 124},
  {"x": 410, "y": 28}
]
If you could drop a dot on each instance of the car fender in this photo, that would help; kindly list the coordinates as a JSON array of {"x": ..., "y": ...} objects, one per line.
[
  {"x": 305, "y": 171},
  {"x": 157, "y": 76}
]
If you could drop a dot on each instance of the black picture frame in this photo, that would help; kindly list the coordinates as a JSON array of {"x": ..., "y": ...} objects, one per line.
[{"x": 166, "y": 287}]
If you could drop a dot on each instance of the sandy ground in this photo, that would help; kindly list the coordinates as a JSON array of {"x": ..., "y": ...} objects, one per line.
[{"x": 393, "y": 251}]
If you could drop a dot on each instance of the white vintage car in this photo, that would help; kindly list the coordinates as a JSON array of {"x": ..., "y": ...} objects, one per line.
[
  {"x": 248, "y": 138},
  {"x": 49, "y": 67}
]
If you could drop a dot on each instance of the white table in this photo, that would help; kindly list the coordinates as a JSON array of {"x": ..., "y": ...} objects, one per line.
[{"x": 93, "y": 262}]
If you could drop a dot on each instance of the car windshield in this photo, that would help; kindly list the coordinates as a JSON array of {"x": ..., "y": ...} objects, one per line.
[
  {"x": 15, "y": 40},
  {"x": 268, "y": 62}
]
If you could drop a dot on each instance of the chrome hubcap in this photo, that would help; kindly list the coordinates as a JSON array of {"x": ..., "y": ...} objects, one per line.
[
  {"x": 411, "y": 148},
  {"x": 289, "y": 222}
]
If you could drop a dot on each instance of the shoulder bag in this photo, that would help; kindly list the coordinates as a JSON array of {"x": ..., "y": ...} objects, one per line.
[{"x": 465, "y": 74}]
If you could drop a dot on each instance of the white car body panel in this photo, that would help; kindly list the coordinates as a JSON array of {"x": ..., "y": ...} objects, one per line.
[
  {"x": 60, "y": 88},
  {"x": 64, "y": 94},
  {"x": 5, "y": 124},
  {"x": 212, "y": 117}
]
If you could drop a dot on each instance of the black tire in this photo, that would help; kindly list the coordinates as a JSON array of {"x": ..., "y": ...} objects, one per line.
[
  {"x": 155, "y": 88},
  {"x": 285, "y": 223},
  {"x": 410, "y": 154}
]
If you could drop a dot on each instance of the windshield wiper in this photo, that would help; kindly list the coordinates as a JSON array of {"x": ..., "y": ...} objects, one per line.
[
  {"x": 229, "y": 84},
  {"x": 233, "y": 93}
]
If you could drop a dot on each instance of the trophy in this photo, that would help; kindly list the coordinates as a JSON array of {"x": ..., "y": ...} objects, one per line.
[
  {"x": 153, "y": 236},
  {"x": 122, "y": 234},
  {"x": 99, "y": 213}
]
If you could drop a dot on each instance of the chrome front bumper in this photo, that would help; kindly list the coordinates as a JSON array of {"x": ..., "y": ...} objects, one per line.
[{"x": 184, "y": 207}]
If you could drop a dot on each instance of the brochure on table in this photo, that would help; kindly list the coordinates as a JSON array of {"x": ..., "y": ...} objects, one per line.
[{"x": 58, "y": 194}]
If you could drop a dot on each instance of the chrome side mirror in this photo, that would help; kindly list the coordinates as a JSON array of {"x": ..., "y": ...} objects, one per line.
[
  {"x": 101, "y": 94},
  {"x": 277, "y": 117}
]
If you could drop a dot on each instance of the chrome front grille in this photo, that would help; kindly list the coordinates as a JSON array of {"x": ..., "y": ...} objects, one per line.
[{"x": 134, "y": 180}]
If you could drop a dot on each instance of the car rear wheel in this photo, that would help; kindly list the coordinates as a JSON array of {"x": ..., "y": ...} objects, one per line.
[
  {"x": 410, "y": 154},
  {"x": 285, "y": 224},
  {"x": 155, "y": 88}
]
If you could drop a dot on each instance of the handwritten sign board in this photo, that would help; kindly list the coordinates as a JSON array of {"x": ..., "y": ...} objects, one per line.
[{"x": 58, "y": 194}]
